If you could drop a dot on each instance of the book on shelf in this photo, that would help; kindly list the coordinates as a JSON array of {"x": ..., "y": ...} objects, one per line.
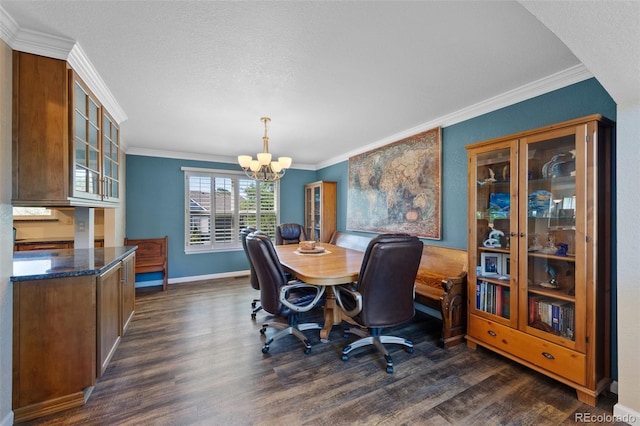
[
  {"x": 493, "y": 298},
  {"x": 556, "y": 316}
]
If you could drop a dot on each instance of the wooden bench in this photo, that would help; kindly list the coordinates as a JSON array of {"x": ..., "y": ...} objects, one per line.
[
  {"x": 350, "y": 241},
  {"x": 151, "y": 256},
  {"x": 441, "y": 284}
]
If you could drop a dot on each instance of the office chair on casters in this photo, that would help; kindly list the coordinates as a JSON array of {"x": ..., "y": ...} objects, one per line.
[
  {"x": 290, "y": 233},
  {"x": 383, "y": 295},
  {"x": 252, "y": 277},
  {"x": 278, "y": 296}
]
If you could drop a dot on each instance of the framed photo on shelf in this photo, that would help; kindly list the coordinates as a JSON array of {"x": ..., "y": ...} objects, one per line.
[{"x": 491, "y": 263}]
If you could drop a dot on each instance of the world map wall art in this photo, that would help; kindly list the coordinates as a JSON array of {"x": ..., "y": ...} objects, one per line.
[{"x": 396, "y": 188}]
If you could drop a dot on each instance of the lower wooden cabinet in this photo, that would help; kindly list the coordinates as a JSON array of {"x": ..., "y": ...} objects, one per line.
[
  {"x": 65, "y": 332},
  {"x": 54, "y": 345},
  {"x": 109, "y": 316}
]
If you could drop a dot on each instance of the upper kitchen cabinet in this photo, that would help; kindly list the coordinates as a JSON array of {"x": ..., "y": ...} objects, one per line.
[{"x": 66, "y": 146}]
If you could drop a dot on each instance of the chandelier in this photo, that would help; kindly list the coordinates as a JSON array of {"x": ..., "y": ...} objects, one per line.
[{"x": 263, "y": 168}]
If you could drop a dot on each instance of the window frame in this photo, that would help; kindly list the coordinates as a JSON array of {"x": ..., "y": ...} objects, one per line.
[
  {"x": 52, "y": 216},
  {"x": 236, "y": 177}
]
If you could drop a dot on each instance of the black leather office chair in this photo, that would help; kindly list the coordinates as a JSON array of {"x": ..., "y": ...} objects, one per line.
[
  {"x": 290, "y": 233},
  {"x": 383, "y": 295},
  {"x": 279, "y": 296},
  {"x": 253, "y": 279}
]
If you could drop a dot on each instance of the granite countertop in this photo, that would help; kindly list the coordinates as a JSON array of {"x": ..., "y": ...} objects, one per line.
[{"x": 43, "y": 264}]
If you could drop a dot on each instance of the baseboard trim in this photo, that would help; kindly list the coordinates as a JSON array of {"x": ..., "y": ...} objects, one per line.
[
  {"x": 8, "y": 419},
  {"x": 626, "y": 415},
  {"x": 153, "y": 283},
  {"x": 614, "y": 387}
]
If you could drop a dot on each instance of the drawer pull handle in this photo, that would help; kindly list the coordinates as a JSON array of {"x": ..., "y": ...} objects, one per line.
[
  {"x": 492, "y": 333},
  {"x": 547, "y": 355}
]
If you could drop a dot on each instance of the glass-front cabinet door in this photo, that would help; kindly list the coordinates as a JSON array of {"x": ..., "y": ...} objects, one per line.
[
  {"x": 86, "y": 140},
  {"x": 312, "y": 211},
  {"x": 493, "y": 185},
  {"x": 552, "y": 224},
  {"x": 96, "y": 147},
  {"x": 110, "y": 158}
]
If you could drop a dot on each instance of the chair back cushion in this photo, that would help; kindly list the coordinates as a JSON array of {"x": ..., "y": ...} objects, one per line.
[
  {"x": 386, "y": 280},
  {"x": 290, "y": 233},
  {"x": 268, "y": 271},
  {"x": 243, "y": 236}
]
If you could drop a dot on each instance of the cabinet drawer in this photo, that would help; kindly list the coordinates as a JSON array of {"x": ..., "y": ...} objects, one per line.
[{"x": 556, "y": 359}]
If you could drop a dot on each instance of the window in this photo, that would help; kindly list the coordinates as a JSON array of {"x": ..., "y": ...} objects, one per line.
[
  {"x": 33, "y": 213},
  {"x": 219, "y": 203}
]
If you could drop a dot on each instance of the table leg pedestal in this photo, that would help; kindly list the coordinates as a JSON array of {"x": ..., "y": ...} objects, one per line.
[{"x": 332, "y": 315}]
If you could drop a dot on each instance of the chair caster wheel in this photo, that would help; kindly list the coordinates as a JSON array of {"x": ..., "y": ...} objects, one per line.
[
  {"x": 253, "y": 316},
  {"x": 390, "y": 369},
  {"x": 263, "y": 330},
  {"x": 265, "y": 350},
  {"x": 345, "y": 357},
  {"x": 409, "y": 350},
  {"x": 307, "y": 351},
  {"x": 253, "y": 305}
]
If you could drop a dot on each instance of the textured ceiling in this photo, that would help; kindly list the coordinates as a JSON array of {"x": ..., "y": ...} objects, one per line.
[{"x": 194, "y": 77}]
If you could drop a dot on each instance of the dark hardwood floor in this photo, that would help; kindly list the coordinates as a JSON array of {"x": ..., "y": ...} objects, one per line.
[{"x": 192, "y": 356}]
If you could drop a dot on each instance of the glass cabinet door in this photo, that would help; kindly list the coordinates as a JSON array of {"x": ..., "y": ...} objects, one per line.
[
  {"x": 309, "y": 211},
  {"x": 493, "y": 189},
  {"x": 317, "y": 218},
  {"x": 110, "y": 158},
  {"x": 86, "y": 125},
  {"x": 552, "y": 210}
]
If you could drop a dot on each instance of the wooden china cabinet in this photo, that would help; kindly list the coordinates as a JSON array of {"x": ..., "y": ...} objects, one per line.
[
  {"x": 540, "y": 250},
  {"x": 320, "y": 210}
]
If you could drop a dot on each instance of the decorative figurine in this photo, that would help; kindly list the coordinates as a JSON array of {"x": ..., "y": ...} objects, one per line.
[
  {"x": 562, "y": 249},
  {"x": 551, "y": 282},
  {"x": 494, "y": 239},
  {"x": 535, "y": 245},
  {"x": 551, "y": 245}
]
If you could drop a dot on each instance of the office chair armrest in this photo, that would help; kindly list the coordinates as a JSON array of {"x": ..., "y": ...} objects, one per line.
[
  {"x": 350, "y": 294},
  {"x": 299, "y": 284}
]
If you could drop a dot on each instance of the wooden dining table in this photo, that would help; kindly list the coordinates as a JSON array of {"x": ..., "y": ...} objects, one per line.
[{"x": 332, "y": 266}]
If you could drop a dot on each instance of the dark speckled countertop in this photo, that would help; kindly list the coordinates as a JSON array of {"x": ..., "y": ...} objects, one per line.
[{"x": 43, "y": 264}]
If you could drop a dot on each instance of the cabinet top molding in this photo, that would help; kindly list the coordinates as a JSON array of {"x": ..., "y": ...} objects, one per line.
[{"x": 568, "y": 123}]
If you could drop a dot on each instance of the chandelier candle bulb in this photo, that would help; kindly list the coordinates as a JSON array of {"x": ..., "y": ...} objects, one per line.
[
  {"x": 285, "y": 162},
  {"x": 276, "y": 166},
  {"x": 244, "y": 161},
  {"x": 264, "y": 158}
]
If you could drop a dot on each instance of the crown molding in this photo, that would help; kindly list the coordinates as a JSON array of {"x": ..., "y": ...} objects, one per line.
[
  {"x": 56, "y": 47},
  {"x": 539, "y": 87},
  {"x": 81, "y": 64},
  {"x": 33, "y": 41}
]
